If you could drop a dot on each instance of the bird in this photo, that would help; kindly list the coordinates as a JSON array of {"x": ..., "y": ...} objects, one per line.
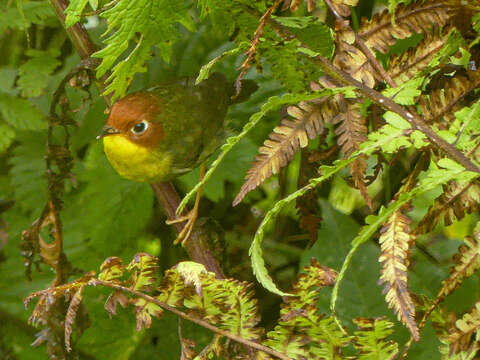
[{"x": 158, "y": 134}]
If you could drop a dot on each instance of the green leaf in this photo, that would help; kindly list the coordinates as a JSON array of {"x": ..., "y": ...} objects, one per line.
[
  {"x": 7, "y": 80},
  {"x": 34, "y": 74},
  {"x": 28, "y": 171},
  {"x": 205, "y": 70},
  {"x": 298, "y": 22},
  {"x": 108, "y": 338},
  {"x": 388, "y": 138},
  {"x": 6, "y": 137},
  {"x": 317, "y": 37},
  {"x": 469, "y": 118},
  {"x": 34, "y": 12},
  {"x": 20, "y": 113},
  {"x": 454, "y": 42},
  {"x": 256, "y": 253},
  {"x": 396, "y": 120},
  {"x": 406, "y": 93},
  {"x": 371, "y": 341},
  {"x": 361, "y": 295},
  {"x": 141, "y": 23},
  {"x": 74, "y": 11}
]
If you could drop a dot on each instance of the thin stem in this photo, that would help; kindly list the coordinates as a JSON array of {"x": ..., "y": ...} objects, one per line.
[{"x": 193, "y": 319}]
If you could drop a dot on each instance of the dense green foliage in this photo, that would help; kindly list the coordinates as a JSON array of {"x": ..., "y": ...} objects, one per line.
[{"x": 354, "y": 233}]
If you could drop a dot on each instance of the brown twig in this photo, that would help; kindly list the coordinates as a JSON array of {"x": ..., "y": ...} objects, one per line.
[
  {"x": 197, "y": 247},
  {"x": 253, "y": 45},
  {"x": 193, "y": 319}
]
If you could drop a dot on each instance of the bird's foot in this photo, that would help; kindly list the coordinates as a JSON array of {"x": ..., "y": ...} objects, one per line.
[
  {"x": 190, "y": 218},
  {"x": 184, "y": 235}
]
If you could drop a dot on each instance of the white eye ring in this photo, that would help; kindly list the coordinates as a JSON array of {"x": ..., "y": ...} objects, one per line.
[{"x": 140, "y": 128}]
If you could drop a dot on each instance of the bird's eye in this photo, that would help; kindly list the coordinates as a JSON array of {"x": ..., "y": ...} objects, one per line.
[{"x": 140, "y": 128}]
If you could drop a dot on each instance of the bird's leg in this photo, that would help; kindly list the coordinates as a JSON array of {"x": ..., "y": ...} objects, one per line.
[{"x": 190, "y": 218}]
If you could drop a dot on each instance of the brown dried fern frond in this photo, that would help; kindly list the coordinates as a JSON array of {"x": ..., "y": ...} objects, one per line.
[
  {"x": 441, "y": 319},
  {"x": 442, "y": 103},
  {"x": 284, "y": 141},
  {"x": 352, "y": 128},
  {"x": 352, "y": 132},
  {"x": 380, "y": 32},
  {"x": 405, "y": 66},
  {"x": 464, "y": 336},
  {"x": 456, "y": 200},
  {"x": 352, "y": 60},
  {"x": 395, "y": 241},
  {"x": 342, "y": 7},
  {"x": 467, "y": 262}
]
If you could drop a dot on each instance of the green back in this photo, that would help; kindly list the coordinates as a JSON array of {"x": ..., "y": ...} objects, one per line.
[{"x": 192, "y": 118}]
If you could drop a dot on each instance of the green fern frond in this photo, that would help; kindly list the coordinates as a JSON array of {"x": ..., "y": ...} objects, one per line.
[
  {"x": 134, "y": 27},
  {"x": 303, "y": 332},
  {"x": 370, "y": 340}
]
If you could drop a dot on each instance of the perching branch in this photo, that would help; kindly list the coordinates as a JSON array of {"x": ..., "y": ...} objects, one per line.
[{"x": 193, "y": 319}]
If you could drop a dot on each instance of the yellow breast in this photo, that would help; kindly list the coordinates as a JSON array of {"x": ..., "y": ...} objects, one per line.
[{"x": 135, "y": 162}]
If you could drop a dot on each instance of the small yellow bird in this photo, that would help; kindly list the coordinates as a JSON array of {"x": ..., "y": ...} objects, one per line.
[{"x": 168, "y": 130}]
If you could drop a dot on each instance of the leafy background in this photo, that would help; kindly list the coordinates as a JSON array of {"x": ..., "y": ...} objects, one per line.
[{"x": 105, "y": 215}]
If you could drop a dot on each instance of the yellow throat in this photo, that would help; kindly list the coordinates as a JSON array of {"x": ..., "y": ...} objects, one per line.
[{"x": 135, "y": 162}]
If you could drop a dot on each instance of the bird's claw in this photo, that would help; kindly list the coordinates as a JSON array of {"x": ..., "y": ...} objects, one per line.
[{"x": 184, "y": 235}]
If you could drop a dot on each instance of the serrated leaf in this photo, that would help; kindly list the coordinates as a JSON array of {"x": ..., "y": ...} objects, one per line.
[
  {"x": 272, "y": 103},
  {"x": 34, "y": 74},
  {"x": 126, "y": 20},
  {"x": 371, "y": 341},
  {"x": 299, "y": 22},
  {"x": 6, "y": 137},
  {"x": 74, "y": 11},
  {"x": 406, "y": 93},
  {"x": 20, "y": 113},
  {"x": 204, "y": 72},
  {"x": 145, "y": 311},
  {"x": 433, "y": 178},
  {"x": 112, "y": 268},
  {"x": 396, "y": 120},
  {"x": 34, "y": 12},
  {"x": 28, "y": 171}
]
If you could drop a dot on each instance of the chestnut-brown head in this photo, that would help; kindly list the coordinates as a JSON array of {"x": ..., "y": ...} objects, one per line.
[{"x": 136, "y": 117}]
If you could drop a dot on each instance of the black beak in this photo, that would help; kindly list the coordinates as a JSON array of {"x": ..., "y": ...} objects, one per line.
[{"x": 107, "y": 130}]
